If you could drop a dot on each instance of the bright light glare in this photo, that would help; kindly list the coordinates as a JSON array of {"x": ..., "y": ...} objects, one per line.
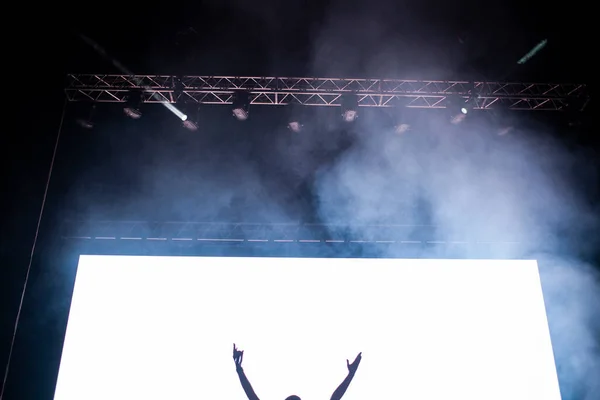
[
  {"x": 295, "y": 126},
  {"x": 350, "y": 115},
  {"x": 163, "y": 328},
  {"x": 464, "y": 110},
  {"x": 240, "y": 114},
  {"x": 174, "y": 110},
  {"x": 156, "y": 95},
  {"x": 402, "y": 128}
]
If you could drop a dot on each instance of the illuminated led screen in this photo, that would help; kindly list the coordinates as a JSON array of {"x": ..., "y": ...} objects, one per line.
[{"x": 164, "y": 327}]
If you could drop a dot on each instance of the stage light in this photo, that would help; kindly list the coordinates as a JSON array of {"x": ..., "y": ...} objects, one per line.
[
  {"x": 468, "y": 105},
  {"x": 402, "y": 128},
  {"x": 241, "y": 103},
  {"x": 190, "y": 117},
  {"x": 133, "y": 113},
  {"x": 503, "y": 131},
  {"x": 349, "y": 108},
  {"x": 133, "y": 105},
  {"x": 87, "y": 122},
  {"x": 240, "y": 113},
  {"x": 190, "y": 125},
  {"x": 350, "y": 115},
  {"x": 295, "y": 116},
  {"x": 84, "y": 123},
  {"x": 502, "y": 118},
  {"x": 295, "y": 126},
  {"x": 402, "y": 117},
  {"x": 459, "y": 108}
]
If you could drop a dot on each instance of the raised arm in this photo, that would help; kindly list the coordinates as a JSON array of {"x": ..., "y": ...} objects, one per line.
[
  {"x": 238, "y": 356},
  {"x": 339, "y": 392}
]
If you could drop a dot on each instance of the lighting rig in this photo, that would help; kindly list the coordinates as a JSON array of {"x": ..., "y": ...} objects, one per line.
[
  {"x": 350, "y": 95},
  {"x": 242, "y": 93}
]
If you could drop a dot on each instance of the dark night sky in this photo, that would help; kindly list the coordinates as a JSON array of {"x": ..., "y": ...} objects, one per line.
[
  {"x": 428, "y": 39},
  {"x": 381, "y": 38}
]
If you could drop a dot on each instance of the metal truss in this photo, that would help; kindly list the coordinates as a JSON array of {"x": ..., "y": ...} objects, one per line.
[
  {"x": 322, "y": 91},
  {"x": 216, "y": 232}
]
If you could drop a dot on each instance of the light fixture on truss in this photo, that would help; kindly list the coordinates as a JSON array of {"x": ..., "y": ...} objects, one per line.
[
  {"x": 349, "y": 108},
  {"x": 133, "y": 104},
  {"x": 241, "y": 105}
]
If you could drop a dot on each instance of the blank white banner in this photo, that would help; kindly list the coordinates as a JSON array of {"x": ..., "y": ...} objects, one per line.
[{"x": 163, "y": 328}]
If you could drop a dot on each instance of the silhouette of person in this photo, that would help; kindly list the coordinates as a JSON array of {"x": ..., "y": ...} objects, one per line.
[{"x": 238, "y": 356}]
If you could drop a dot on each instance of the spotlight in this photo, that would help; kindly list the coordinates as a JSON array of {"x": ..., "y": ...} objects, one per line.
[
  {"x": 459, "y": 108},
  {"x": 88, "y": 122},
  {"x": 191, "y": 117},
  {"x": 503, "y": 119},
  {"x": 132, "y": 112},
  {"x": 350, "y": 115},
  {"x": 240, "y": 113},
  {"x": 402, "y": 128},
  {"x": 190, "y": 125},
  {"x": 403, "y": 119},
  {"x": 467, "y": 105},
  {"x": 349, "y": 108},
  {"x": 84, "y": 123},
  {"x": 295, "y": 116},
  {"x": 241, "y": 102},
  {"x": 295, "y": 126},
  {"x": 133, "y": 105}
]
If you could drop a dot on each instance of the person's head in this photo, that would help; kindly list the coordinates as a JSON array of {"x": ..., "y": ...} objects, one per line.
[{"x": 293, "y": 397}]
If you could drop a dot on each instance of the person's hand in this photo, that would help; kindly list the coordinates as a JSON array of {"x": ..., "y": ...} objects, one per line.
[
  {"x": 238, "y": 356},
  {"x": 352, "y": 367}
]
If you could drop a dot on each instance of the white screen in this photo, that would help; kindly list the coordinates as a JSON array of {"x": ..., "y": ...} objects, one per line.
[{"x": 163, "y": 328}]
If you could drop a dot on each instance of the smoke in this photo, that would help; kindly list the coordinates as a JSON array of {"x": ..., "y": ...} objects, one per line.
[
  {"x": 463, "y": 181},
  {"x": 480, "y": 188},
  {"x": 353, "y": 40},
  {"x": 572, "y": 295}
]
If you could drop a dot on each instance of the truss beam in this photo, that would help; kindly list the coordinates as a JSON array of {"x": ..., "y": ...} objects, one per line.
[{"x": 322, "y": 91}]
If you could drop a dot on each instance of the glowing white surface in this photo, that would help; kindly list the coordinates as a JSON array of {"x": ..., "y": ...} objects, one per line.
[{"x": 163, "y": 327}]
